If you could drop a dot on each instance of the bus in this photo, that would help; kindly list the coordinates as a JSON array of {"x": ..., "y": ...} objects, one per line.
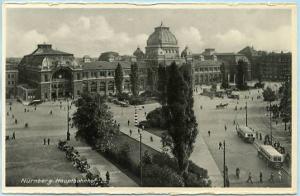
[
  {"x": 246, "y": 134},
  {"x": 271, "y": 155}
]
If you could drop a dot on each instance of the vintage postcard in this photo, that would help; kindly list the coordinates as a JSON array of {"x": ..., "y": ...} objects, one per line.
[{"x": 165, "y": 98}]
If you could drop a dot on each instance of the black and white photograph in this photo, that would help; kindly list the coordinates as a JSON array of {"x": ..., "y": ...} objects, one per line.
[{"x": 120, "y": 98}]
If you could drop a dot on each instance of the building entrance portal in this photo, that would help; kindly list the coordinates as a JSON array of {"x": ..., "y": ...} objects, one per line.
[{"x": 61, "y": 86}]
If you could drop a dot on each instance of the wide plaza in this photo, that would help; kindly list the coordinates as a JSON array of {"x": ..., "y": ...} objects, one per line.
[{"x": 27, "y": 156}]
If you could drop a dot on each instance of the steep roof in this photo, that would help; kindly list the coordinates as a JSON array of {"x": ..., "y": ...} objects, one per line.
[{"x": 46, "y": 49}]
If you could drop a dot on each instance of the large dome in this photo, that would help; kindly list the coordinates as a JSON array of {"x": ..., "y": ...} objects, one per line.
[{"x": 162, "y": 36}]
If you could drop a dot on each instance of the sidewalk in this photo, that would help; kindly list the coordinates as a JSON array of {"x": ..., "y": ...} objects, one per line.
[
  {"x": 117, "y": 177},
  {"x": 201, "y": 155}
]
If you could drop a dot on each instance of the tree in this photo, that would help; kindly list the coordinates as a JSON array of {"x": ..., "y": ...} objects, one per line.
[
  {"x": 224, "y": 78},
  {"x": 285, "y": 102},
  {"x": 94, "y": 121},
  {"x": 162, "y": 84},
  {"x": 134, "y": 79},
  {"x": 240, "y": 75},
  {"x": 179, "y": 114},
  {"x": 119, "y": 79},
  {"x": 269, "y": 95}
]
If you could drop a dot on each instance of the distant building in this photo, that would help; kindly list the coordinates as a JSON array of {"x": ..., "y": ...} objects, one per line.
[
  {"x": 275, "y": 66},
  {"x": 254, "y": 58},
  {"x": 269, "y": 66},
  {"x": 109, "y": 56},
  {"x": 231, "y": 61},
  {"x": 11, "y": 76},
  {"x": 49, "y": 74}
]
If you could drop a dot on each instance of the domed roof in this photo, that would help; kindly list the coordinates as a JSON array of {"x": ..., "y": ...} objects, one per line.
[
  {"x": 160, "y": 51},
  {"x": 162, "y": 35},
  {"x": 186, "y": 52}
]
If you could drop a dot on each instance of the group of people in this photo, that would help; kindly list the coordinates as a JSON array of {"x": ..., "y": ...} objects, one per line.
[
  {"x": 46, "y": 141},
  {"x": 250, "y": 178}
]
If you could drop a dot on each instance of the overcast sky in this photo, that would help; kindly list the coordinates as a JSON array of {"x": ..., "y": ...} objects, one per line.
[{"x": 93, "y": 31}]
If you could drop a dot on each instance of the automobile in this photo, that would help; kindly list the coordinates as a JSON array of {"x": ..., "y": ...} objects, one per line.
[
  {"x": 271, "y": 156},
  {"x": 245, "y": 133},
  {"x": 233, "y": 96},
  {"x": 35, "y": 102}
]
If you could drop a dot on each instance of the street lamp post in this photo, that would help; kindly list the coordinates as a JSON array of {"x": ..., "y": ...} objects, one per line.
[
  {"x": 271, "y": 124},
  {"x": 141, "y": 168},
  {"x": 246, "y": 114},
  {"x": 224, "y": 165},
  {"x": 68, "y": 130}
]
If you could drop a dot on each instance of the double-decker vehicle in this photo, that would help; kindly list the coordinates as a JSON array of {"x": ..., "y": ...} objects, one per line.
[
  {"x": 246, "y": 134},
  {"x": 271, "y": 155}
]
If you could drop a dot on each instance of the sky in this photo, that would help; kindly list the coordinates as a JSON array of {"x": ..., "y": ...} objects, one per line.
[{"x": 88, "y": 31}]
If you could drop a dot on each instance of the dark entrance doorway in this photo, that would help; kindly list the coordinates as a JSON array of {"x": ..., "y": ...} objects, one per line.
[{"x": 61, "y": 84}]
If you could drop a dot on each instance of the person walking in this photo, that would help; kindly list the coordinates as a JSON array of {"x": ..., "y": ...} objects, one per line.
[
  {"x": 237, "y": 173},
  {"x": 225, "y": 127},
  {"x": 151, "y": 138},
  {"x": 48, "y": 141},
  {"x": 208, "y": 133},
  {"x": 220, "y": 145},
  {"x": 44, "y": 141},
  {"x": 14, "y": 136},
  {"x": 271, "y": 177},
  {"x": 107, "y": 177},
  {"x": 260, "y": 177},
  {"x": 9, "y": 108},
  {"x": 130, "y": 132},
  {"x": 76, "y": 182},
  {"x": 249, "y": 178},
  {"x": 128, "y": 122},
  {"x": 260, "y": 136},
  {"x": 279, "y": 176}
]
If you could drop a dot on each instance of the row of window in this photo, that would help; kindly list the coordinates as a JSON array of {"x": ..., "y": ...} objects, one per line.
[
  {"x": 10, "y": 82},
  {"x": 207, "y": 69},
  {"x": 10, "y": 75}
]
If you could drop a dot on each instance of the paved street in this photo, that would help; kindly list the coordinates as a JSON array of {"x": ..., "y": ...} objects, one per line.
[
  {"x": 206, "y": 153},
  {"x": 27, "y": 157},
  {"x": 238, "y": 153}
]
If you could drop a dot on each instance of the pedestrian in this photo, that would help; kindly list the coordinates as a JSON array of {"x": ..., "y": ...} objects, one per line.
[
  {"x": 76, "y": 182},
  {"x": 208, "y": 133},
  {"x": 233, "y": 122},
  {"x": 225, "y": 128},
  {"x": 249, "y": 178},
  {"x": 10, "y": 108},
  {"x": 256, "y": 135},
  {"x": 260, "y": 177},
  {"x": 220, "y": 145},
  {"x": 128, "y": 122},
  {"x": 237, "y": 173},
  {"x": 16, "y": 121},
  {"x": 279, "y": 176},
  {"x": 48, "y": 141},
  {"x": 14, "y": 136},
  {"x": 138, "y": 131},
  {"x": 130, "y": 132},
  {"x": 260, "y": 136},
  {"x": 50, "y": 112},
  {"x": 145, "y": 113},
  {"x": 271, "y": 177},
  {"x": 24, "y": 109},
  {"x": 44, "y": 141},
  {"x": 151, "y": 138},
  {"x": 107, "y": 177},
  {"x": 13, "y": 116}
]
